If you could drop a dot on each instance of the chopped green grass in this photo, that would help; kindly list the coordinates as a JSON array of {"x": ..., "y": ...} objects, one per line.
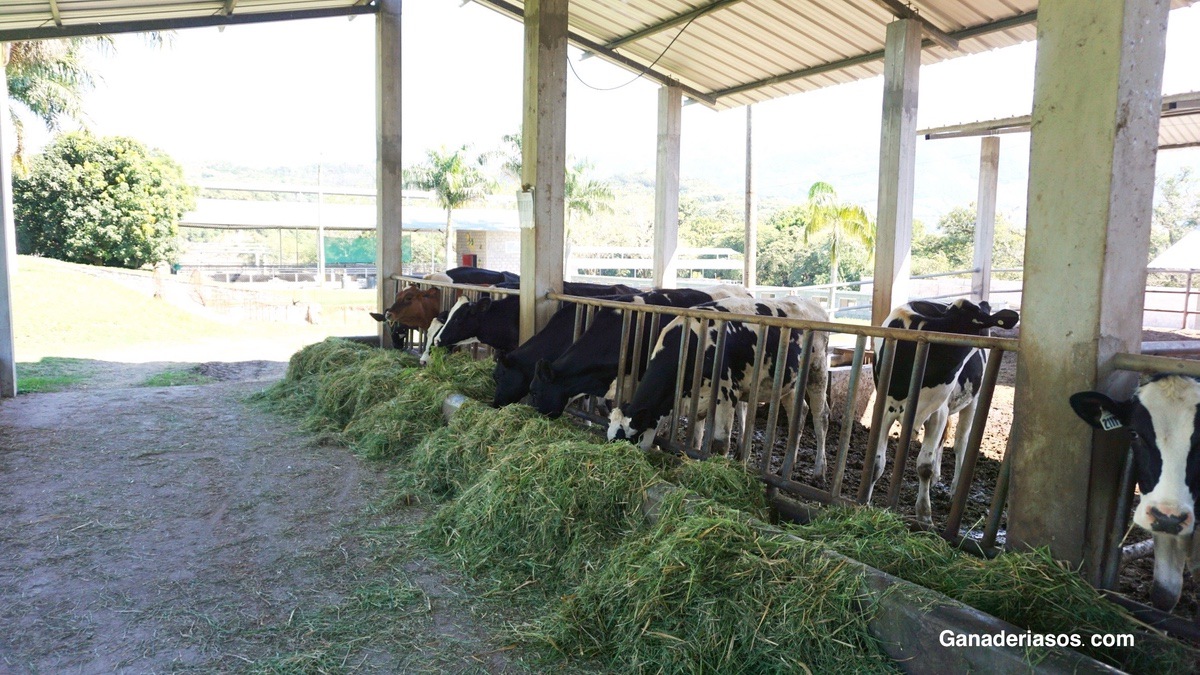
[
  {"x": 1028, "y": 589},
  {"x": 724, "y": 481}
]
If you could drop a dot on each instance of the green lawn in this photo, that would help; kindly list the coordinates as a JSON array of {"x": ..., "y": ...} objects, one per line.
[{"x": 52, "y": 374}]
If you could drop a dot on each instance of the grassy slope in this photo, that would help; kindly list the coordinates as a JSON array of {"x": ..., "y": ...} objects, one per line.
[{"x": 61, "y": 310}]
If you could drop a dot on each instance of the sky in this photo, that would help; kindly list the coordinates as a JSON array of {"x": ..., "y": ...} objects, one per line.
[{"x": 301, "y": 92}]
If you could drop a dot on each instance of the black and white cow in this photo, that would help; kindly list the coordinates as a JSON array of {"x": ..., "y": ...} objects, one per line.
[
  {"x": 589, "y": 367},
  {"x": 496, "y": 323},
  {"x": 481, "y": 276},
  {"x": 654, "y": 398},
  {"x": 1163, "y": 420},
  {"x": 515, "y": 370},
  {"x": 950, "y": 385}
]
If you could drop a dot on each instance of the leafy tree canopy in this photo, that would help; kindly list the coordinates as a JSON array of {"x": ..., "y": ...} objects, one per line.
[
  {"x": 101, "y": 201},
  {"x": 952, "y": 246}
]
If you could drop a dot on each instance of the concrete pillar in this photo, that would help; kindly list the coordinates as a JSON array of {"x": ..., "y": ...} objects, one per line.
[
  {"x": 8, "y": 243},
  {"x": 388, "y": 255},
  {"x": 1097, "y": 93},
  {"x": 544, "y": 159},
  {"x": 666, "y": 186},
  {"x": 985, "y": 216},
  {"x": 897, "y": 166},
  {"x": 750, "y": 259}
]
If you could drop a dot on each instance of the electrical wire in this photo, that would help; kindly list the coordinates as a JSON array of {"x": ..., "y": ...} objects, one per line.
[{"x": 647, "y": 68}]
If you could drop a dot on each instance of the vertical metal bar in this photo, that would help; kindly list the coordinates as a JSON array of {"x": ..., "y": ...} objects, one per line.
[
  {"x": 1111, "y": 564},
  {"x": 908, "y": 421},
  {"x": 839, "y": 466},
  {"x": 799, "y": 405},
  {"x": 697, "y": 378},
  {"x": 883, "y": 360},
  {"x": 655, "y": 330},
  {"x": 623, "y": 356},
  {"x": 680, "y": 368},
  {"x": 966, "y": 472},
  {"x": 588, "y": 403},
  {"x": 780, "y": 365},
  {"x": 760, "y": 350},
  {"x": 578, "y": 323},
  {"x": 635, "y": 370},
  {"x": 1187, "y": 300},
  {"x": 710, "y": 421},
  {"x": 999, "y": 498}
]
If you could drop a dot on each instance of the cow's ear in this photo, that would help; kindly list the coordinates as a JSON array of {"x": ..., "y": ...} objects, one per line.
[
  {"x": 377, "y": 316},
  {"x": 1006, "y": 318},
  {"x": 481, "y": 305},
  {"x": 432, "y": 293},
  {"x": 1100, "y": 411},
  {"x": 544, "y": 371}
]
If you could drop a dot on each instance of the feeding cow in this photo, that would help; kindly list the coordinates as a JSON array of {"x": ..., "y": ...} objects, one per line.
[
  {"x": 413, "y": 309},
  {"x": 496, "y": 323},
  {"x": 1163, "y": 420},
  {"x": 654, "y": 397},
  {"x": 950, "y": 384},
  {"x": 589, "y": 367}
]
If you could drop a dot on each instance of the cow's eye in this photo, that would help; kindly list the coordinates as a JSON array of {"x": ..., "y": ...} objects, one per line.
[{"x": 1134, "y": 435}]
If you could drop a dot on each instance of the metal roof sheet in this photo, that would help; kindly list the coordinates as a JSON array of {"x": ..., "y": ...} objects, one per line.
[
  {"x": 1178, "y": 127},
  {"x": 725, "y": 53},
  {"x": 728, "y": 53},
  {"x": 36, "y": 19}
]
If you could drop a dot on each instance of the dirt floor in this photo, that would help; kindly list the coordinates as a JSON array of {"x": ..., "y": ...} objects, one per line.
[{"x": 160, "y": 529}]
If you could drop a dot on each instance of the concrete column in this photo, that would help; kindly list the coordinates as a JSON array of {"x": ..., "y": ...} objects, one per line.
[
  {"x": 666, "y": 186},
  {"x": 897, "y": 166},
  {"x": 750, "y": 259},
  {"x": 388, "y": 234},
  {"x": 1097, "y": 93},
  {"x": 544, "y": 159},
  {"x": 8, "y": 243},
  {"x": 985, "y": 216}
]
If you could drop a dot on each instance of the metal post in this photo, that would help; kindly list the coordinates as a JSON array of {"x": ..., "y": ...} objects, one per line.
[
  {"x": 884, "y": 360},
  {"x": 750, "y": 257},
  {"x": 760, "y": 350},
  {"x": 780, "y": 366},
  {"x": 966, "y": 472},
  {"x": 985, "y": 217},
  {"x": 839, "y": 467},
  {"x": 907, "y": 422},
  {"x": 389, "y": 234}
]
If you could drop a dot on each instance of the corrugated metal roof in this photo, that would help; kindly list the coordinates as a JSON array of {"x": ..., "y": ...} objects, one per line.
[
  {"x": 725, "y": 53},
  {"x": 35, "y": 19},
  {"x": 1179, "y": 126},
  {"x": 729, "y": 53}
]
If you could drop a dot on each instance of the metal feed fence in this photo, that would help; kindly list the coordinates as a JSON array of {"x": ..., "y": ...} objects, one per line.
[
  {"x": 450, "y": 293},
  {"x": 778, "y": 468}
]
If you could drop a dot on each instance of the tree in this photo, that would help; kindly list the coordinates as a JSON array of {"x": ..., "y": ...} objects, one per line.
[
  {"x": 952, "y": 246},
  {"x": 456, "y": 179},
  {"x": 47, "y": 78},
  {"x": 1176, "y": 211},
  {"x": 101, "y": 201},
  {"x": 844, "y": 222}
]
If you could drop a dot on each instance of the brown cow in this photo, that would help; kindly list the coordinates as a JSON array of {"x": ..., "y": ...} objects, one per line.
[{"x": 413, "y": 309}]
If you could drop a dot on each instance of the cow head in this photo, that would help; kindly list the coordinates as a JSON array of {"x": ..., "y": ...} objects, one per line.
[
  {"x": 980, "y": 317},
  {"x": 511, "y": 382},
  {"x": 547, "y": 393},
  {"x": 1163, "y": 422},
  {"x": 462, "y": 323},
  {"x": 622, "y": 428},
  {"x": 413, "y": 309}
]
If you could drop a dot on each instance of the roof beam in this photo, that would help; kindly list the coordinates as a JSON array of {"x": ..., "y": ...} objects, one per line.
[
  {"x": 140, "y": 26},
  {"x": 229, "y": 6},
  {"x": 54, "y": 13},
  {"x": 903, "y": 11},
  {"x": 974, "y": 31},
  {"x": 673, "y": 21},
  {"x": 514, "y": 12}
]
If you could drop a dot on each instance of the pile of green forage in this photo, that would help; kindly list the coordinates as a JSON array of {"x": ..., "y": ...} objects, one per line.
[{"x": 697, "y": 584}]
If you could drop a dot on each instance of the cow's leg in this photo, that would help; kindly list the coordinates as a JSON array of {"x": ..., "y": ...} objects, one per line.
[
  {"x": 961, "y": 431},
  {"x": 818, "y": 406},
  {"x": 931, "y": 448},
  {"x": 892, "y": 412},
  {"x": 1170, "y": 555}
]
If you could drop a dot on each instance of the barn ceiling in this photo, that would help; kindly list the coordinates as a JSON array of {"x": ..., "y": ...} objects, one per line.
[
  {"x": 728, "y": 53},
  {"x": 724, "y": 53}
]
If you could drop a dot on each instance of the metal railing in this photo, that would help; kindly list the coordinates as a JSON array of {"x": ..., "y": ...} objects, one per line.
[
  {"x": 778, "y": 468},
  {"x": 472, "y": 292}
]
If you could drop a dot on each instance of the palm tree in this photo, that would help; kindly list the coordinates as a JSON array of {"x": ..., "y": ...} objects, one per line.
[
  {"x": 48, "y": 79},
  {"x": 846, "y": 222},
  {"x": 456, "y": 179}
]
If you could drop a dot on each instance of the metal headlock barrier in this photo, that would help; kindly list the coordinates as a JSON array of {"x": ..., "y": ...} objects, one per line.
[
  {"x": 472, "y": 292},
  {"x": 778, "y": 469}
]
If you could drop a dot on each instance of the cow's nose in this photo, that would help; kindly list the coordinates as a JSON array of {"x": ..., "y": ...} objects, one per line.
[{"x": 1167, "y": 519}]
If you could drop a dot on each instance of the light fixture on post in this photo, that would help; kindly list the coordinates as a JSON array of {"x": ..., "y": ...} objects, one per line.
[{"x": 525, "y": 207}]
